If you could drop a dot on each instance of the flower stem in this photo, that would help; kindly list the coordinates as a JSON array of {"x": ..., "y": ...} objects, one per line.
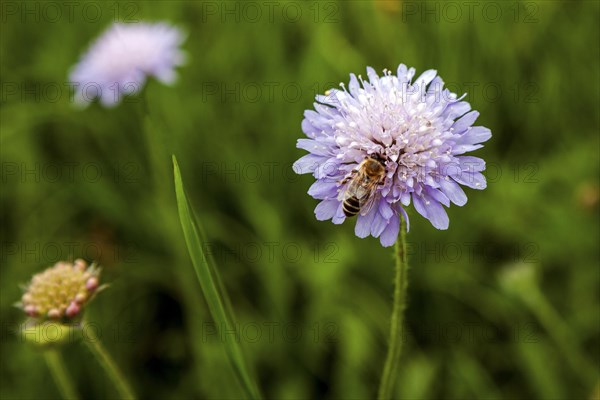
[
  {"x": 390, "y": 370},
  {"x": 93, "y": 343},
  {"x": 59, "y": 373}
]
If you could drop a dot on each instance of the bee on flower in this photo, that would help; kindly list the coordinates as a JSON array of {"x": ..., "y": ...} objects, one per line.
[{"x": 385, "y": 142}]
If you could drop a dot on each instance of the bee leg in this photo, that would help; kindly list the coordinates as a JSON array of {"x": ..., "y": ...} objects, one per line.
[{"x": 348, "y": 177}]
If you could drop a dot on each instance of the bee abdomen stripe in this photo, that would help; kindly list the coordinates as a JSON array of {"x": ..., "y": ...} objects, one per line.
[
  {"x": 349, "y": 209},
  {"x": 353, "y": 201},
  {"x": 349, "y": 213}
]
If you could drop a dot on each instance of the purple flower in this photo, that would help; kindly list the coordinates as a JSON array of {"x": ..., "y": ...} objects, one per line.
[
  {"x": 121, "y": 59},
  {"x": 417, "y": 130}
]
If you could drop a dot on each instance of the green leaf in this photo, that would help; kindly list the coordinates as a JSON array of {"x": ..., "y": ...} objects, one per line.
[{"x": 213, "y": 289}]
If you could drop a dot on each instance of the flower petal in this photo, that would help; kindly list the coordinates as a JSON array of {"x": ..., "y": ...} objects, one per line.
[
  {"x": 436, "y": 86},
  {"x": 314, "y": 146},
  {"x": 354, "y": 85},
  {"x": 465, "y": 121},
  {"x": 373, "y": 77},
  {"x": 378, "y": 225},
  {"x": 423, "y": 80},
  {"x": 419, "y": 204},
  {"x": 362, "y": 229},
  {"x": 307, "y": 164},
  {"x": 401, "y": 72},
  {"x": 326, "y": 209},
  {"x": 453, "y": 191},
  {"x": 455, "y": 110},
  {"x": 329, "y": 168},
  {"x": 323, "y": 190},
  {"x": 465, "y": 148},
  {"x": 474, "y": 135},
  {"x": 438, "y": 196},
  {"x": 309, "y": 129},
  {"x": 437, "y": 214},
  {"x": 385, "y": 209},
  {"x": 166, "y": 76},
  {"x": 339, "y": 216},
  {"x": 471, "y": 164},
  {"x": 390, "y": 233},
  {"x": 474, "y": 180}
]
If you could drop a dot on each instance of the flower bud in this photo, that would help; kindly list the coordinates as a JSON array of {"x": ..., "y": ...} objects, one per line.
[
  {"x": 30, "y": 310},
  {"x": 72, "y": 310},
  {"x": 91, "y": 284},
  {"x": 61, "y": 291}
]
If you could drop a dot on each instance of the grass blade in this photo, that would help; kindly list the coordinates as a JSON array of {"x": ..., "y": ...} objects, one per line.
[{"x": 216, "y": 297}]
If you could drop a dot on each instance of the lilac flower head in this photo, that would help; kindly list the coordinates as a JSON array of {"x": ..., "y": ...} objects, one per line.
[
  {"x": 417, "y": 130},
  {"x": 121, "y": 59}
]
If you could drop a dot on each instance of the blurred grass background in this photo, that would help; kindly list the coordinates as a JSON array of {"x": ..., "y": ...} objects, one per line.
[{"x": 503, "y": 305}]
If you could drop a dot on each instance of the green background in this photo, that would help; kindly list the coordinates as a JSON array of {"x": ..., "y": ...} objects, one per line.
[{"x": 502, "y": 305}]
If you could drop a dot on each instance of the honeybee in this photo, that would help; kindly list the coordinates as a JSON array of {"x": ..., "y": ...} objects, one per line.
[{"x": 359, "y": 195}]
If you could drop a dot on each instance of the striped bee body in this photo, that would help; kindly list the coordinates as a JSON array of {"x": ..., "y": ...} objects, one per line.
[
  {"x": 351, "y": 206},
  {"x": 360, "y": 193}
]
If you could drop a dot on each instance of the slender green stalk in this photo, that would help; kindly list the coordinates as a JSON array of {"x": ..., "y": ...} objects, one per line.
[
  {"x": 59, "y": 373},
  {"x": 93, "y": 343},
  {"x": 212, "y": 287},
  {"x": 390, "y": 370}
]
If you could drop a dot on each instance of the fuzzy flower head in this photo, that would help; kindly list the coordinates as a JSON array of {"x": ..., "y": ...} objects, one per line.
[
  {"x": 122, "y": 58},
  {"x": 61, "y": 291},
  {"x": 417, "y": 131}
]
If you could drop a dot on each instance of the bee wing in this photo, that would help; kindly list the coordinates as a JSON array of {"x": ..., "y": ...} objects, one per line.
[
  {"x": 369, "y": 201},
  {"x": 351, "y": 189},
  {"x": 342, "y": 192},
  {"x": 366, "y": 207}
]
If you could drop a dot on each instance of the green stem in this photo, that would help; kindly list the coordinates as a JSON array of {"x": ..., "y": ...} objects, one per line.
[
  {"x": 59, "y": 373},
  {"x": 390, "y": 370},
  {"x": 93, "y": 343}
]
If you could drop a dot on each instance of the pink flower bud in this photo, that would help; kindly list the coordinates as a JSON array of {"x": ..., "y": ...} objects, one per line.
[
  {"x": 91, "y": 284},
  {"x": 31, "y": 310},
  {"x": 73, "y": 310}
]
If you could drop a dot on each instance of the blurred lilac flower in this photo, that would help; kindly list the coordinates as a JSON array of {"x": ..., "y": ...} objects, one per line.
[
  {"x": 121, "y": 59},
  {"x": 417, "y": 130}
]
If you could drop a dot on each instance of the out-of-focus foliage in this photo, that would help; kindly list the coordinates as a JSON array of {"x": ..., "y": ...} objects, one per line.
[{"x": 504, "y": 304}]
